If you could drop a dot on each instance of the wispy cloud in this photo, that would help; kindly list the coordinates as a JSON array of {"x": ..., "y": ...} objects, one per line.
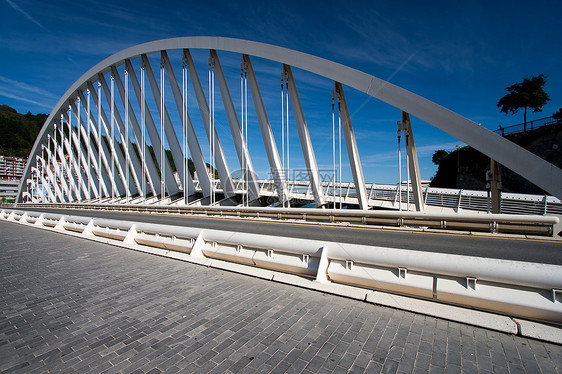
[
  {"x": 387, "y": 80},
  {"x": 25, "y": 14},
  {"x": 25, "y": 92},
  {"x": 15, "y": 97},
  {"x": 423, "y": 151}
]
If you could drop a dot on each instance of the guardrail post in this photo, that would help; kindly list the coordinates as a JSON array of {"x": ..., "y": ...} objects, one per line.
[
  {"x": 23, "y": 218},
  {"x": 40, "y": 220},
  {"x": 88, "y": 229},
  {"x": 556, "y": 295},
  {"x": 131, "y": 234},
  {"x": 322, "y": 274},
  {"x": 471, "y": 282},
  {"x": 11, "y": 216},
  {"x": 60, "y": 224},
  {"x": 196, "y": 249}
]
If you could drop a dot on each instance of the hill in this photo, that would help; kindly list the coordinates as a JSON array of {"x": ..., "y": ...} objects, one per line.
[
  {"x": 18, "y": 131},
  {"x": 466, "y": 168}
]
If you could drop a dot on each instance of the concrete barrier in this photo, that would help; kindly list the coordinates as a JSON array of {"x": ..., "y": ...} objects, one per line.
[{"x": 515, "y": 288}]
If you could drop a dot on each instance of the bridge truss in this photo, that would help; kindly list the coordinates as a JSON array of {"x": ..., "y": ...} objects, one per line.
[{"x": 112, "y": 138}]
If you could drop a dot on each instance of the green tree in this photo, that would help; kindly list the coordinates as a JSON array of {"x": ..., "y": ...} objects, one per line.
[
  {"x": 558, "y": 115},
  {"x": 438, "y": 156},
  {"x": 527, "y": 94}
]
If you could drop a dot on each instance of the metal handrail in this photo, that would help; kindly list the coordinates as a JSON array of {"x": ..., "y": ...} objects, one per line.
[
  {"x": 508, "y": 223},
  {"x": 526, "y": 126}
]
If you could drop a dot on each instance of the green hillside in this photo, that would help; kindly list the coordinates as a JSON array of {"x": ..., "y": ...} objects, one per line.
[{"x": 18, "y": 131}]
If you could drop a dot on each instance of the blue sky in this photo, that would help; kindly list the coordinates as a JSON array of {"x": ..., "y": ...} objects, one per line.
[{"x": 460, "y": 55}]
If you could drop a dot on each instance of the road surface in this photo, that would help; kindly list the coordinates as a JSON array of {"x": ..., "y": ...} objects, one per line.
[{"x": 520, "y": 249}]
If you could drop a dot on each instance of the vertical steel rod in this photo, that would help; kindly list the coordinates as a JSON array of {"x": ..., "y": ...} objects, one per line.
[
  {"x": 143, "y": 122},
  {"x": 126, "y": 104},
  {"x": 99, "y": 143},
  {"x": 112, "y": 122},
  {"x": 162, "y": 135}
]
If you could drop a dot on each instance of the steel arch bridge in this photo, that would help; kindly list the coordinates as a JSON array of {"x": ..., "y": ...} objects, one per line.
[{"x": 114, "y": 151}]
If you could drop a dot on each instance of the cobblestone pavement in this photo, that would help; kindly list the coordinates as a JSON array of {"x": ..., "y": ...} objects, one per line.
[{"x": 71, "y": 305}]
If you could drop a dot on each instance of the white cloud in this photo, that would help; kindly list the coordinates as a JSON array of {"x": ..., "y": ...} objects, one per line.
[
  {"x": 26, "y": 15},
  {"x": 15, "y": 97},
  {"x": 25, "y": 92},
  {"x": 423, "y": 151}
]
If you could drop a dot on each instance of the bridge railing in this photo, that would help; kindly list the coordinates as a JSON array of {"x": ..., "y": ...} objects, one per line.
[
  {"x": 515, "y": 288},
  {"x": 388, "y": 196},
  {"x": 494, "y": 223},
  {"x": 529, "y": 125}
]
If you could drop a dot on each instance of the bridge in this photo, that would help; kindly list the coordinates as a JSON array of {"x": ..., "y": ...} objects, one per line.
[
  {"x": 97, "y": 141},
  {"x": 101, "y": 159}
]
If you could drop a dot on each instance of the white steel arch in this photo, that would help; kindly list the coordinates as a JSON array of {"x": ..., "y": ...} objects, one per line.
[{"x": 521, "y": 161}]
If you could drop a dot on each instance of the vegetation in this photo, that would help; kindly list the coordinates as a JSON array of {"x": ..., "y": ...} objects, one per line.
[
  {"x": 466, "y": 167},
  {"x": 438, "y": 156},
  {"x": 18, "y": 131},
  {"x": 558, "y": 116},
  {"x": 527, "y": 94}
]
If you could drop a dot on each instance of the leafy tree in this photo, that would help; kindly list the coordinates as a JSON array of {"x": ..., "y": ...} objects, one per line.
[
  {"x": 558, "y": 115},
  {"x": 18, "y": 131},
  {"x": 438, "y": 156},
  {"x": 527, "y": 94}
]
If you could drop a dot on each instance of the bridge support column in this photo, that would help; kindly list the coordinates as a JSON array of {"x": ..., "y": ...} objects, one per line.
[
  {"x": 187, "y": 127},
  {"x": 267, "y": 133},
  {"x": 151, "y": 174},
  {"x": 213, "y": 136},
  {"x": 64, "y": 167},
  {"x": 237, "y": 136},
  {"x": 155, "y": 140},
  {"x": 132, "y": 163},
  {"x": 117, "y": 183},
  {"x": 49, "y": 182},
  {"x": 304, "y": 137},
  {"x": 120, "y": 159},
  {"x": 413, "y": 162},
  {"x": 86, "y": 182},
  {"x": 104, "y": 182},
  {"x": 59, "y": 169},
  {"x": 352, "y": 150},
  {"x": 73, "y": 161},
  {"x": 169, "y": 132}
]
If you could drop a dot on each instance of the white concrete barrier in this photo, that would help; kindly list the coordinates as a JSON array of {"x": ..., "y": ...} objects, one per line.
[{"x": 516, "y": 288}]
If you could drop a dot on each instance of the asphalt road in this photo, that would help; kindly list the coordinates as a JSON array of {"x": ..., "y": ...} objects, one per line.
[{"x": 519, "y": 249}]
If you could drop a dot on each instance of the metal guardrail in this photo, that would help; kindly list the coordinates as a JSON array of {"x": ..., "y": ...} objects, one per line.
[
  {"x": 383, "y": 196},
  {"x": 529, "y": 125},
  {"x": 514, "y": 288},
  {"x": 494, "y": 223}
]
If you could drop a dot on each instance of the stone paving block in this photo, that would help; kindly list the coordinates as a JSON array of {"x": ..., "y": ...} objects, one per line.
[{"x": 70, "y": 305}]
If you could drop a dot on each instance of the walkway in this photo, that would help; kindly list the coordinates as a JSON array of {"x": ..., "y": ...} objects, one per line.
[{"x": 70, "y": 305}]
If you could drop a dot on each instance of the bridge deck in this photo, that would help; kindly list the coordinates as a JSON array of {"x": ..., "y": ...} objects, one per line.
[{"x": 78, "y": 306}]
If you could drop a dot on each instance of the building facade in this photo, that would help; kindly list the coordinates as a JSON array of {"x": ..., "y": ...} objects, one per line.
[
  {"x": 11, "y": 172},
  {"x": 8, "y": 189},
  {"x": 12, "y": 167}
]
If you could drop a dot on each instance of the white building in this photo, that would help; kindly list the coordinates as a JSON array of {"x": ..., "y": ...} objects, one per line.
[
  {"x": 8, "y": 189},
  {"x": 12, "y": 167},
  {"x": 11, "y": 172}
]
